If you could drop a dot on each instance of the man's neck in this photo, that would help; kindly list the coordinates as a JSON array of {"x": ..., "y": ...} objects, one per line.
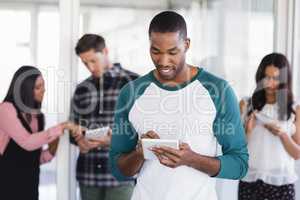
[{"x": 110, "y": 65}]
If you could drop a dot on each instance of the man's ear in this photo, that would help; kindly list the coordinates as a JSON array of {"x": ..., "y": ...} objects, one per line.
[
  {"x": 187, "y": 43},
  {"x": 105, "y": 51}
]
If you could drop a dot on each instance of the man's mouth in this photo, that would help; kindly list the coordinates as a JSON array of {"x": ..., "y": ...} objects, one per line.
[{"x": 165, "y": 70}]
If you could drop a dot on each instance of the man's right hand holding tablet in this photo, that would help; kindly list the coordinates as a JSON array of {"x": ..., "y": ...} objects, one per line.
[
  {"x": 86, "y": 144},
  {"x": 131, "y": 163}
]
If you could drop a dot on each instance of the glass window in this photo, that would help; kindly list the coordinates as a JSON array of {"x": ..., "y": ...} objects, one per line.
[
  {"x": 18, "y": 48},
  {"x": 237, "y": 34},
  {"x": 15, "y": 43}
]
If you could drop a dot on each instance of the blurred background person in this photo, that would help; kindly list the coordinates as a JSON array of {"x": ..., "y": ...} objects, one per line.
[
  {"x": 92, "y": 106},
  {"x": 22, "y": 136},
  {"x": 273, "y": 131}
]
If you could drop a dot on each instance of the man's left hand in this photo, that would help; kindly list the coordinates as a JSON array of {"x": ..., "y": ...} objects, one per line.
[
  {"x": 104, "y": 141},
  {"x": 173, "y": 158}
]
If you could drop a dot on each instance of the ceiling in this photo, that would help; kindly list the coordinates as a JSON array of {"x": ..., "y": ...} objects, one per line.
[{"x": 146, "y": 4}]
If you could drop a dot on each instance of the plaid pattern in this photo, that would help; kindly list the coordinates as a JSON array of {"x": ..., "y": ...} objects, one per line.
[{"x": 93, "y": 106}]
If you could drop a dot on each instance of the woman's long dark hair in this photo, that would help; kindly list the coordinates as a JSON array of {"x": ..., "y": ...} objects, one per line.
[
  {"x": 21, "y": 93},
  {"x": 284, "y": 95}
]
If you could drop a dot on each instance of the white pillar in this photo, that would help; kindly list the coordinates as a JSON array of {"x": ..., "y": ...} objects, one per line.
[
  {"x": 34, "y": 10},
  {"x": 296, "y": 73},
  {"x": 296, "y": 60},
  {"x": 69, "y": 23},
  {"x": 284, "y": 27},
  {"x": 287, "y": 41}
]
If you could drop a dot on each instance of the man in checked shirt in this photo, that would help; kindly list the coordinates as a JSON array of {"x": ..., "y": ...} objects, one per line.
[{"x": 92, "y": 106}]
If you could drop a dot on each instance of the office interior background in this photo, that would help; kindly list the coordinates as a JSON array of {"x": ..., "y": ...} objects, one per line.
[{"x": 228, "y": 38}]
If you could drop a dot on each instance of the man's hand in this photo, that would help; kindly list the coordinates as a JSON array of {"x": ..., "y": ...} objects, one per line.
[
  {"x": 75, "y": 130},
  {"x": 173, "y": 158},
  {"x": 86, "y": 145},
  {"x": 104, "y": 141},
  {"x": 130, "y": 163},
  {"x": 148, "y": 135}
]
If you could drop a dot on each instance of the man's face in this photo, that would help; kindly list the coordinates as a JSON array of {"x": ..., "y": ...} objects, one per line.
[
  {"x": 96, "y": 62},
  {"x": 168, "y": 51}
]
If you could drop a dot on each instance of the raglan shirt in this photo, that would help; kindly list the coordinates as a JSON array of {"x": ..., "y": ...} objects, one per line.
[{"x": 202, "y": 112}]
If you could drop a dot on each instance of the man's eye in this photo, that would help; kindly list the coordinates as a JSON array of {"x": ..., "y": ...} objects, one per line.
[{"x": 173, "y": 53}]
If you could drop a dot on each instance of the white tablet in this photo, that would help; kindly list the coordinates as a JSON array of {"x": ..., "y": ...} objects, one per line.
[
  {"x": 264, "y": 119},
  {"x": 95, "y": 134},
  {"x": 148, "y": 143}
]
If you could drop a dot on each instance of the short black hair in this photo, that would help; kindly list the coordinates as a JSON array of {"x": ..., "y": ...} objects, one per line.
[
  {"x": 88, "y": 42},
  {"x": 168, "y": 21}
]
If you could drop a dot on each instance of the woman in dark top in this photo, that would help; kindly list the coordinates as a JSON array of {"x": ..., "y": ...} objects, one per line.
[{"x": 22, "y": 136}]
